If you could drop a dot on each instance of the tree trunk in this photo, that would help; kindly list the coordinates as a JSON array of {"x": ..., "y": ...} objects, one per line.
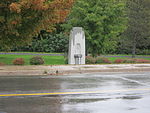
[
  {"x": 134, "y": 50},
  {"x": 134, "y": 47}
]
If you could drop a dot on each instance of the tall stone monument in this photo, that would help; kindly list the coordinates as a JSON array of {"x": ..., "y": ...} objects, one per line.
[{"x": 76, "y": 53}]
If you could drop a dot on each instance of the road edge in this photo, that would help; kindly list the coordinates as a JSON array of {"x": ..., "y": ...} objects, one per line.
[{"x": 71, "y": 69}]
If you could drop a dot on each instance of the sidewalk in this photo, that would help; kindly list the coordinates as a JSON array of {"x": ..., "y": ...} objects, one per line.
[{"x": 71, "y": 69}]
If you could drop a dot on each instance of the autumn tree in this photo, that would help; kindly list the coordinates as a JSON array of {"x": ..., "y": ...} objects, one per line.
[
  {"x": 102, "y": 20},
  {"x": 20, "y": 20}
]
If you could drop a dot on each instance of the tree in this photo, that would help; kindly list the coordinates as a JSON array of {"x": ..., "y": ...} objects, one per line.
[
  {"x": 46, "y": 42},
  {"x": 102, "y": 20},
  {"x": 20, "y": 20},
  {"x": 138, "y": 31}
]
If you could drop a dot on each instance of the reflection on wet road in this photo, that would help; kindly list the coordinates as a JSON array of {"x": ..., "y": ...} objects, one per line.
[{"x": 88, "y": 93}]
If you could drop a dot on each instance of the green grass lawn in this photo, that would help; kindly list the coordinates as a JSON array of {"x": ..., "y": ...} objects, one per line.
[{"x": 49, "y": 60}]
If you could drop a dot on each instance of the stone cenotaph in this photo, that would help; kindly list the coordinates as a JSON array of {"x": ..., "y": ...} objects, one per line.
[{"x": 76, "y": 54}]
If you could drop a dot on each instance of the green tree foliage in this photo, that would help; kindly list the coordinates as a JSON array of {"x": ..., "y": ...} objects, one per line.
[
  {"x": 51, "y": 42},
  {"x": 102, "y": 20},
  {"x": 20, "y": 20},
  {"x": 46, "y": 42},
  {"x": 137, "y": 36}
]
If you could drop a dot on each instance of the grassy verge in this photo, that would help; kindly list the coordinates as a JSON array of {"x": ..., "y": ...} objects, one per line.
[{"x": 49, "y": 60}]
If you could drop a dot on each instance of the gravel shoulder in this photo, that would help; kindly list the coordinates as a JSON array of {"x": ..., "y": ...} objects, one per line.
[{"x": 71, "y": 69}]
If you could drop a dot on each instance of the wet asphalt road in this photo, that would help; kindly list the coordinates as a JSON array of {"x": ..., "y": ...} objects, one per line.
[{"x": 92, "y": 93}]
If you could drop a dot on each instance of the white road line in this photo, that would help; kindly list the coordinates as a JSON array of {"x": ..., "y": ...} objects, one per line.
[{"x": 135, "y": 81}]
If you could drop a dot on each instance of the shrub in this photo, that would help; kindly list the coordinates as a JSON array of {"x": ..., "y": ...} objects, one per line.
[
  {"x": 2, "y": 64},
  {"x": 50, "y": 42},
  {"x": 18, "y": 61},
  {"x": 129, "y": 61},
  {"x": 119, "y": 61},
  {"x": 100, "y": 60},
  {"x": 142, "y": 61},
  {"x": 36, "y": 60},
  {"x": 66, "y": 60},
  {"x": 90, "y": 60}
]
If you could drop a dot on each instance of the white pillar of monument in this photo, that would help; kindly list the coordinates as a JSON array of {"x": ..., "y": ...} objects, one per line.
[{"x": 76, "y": 54}]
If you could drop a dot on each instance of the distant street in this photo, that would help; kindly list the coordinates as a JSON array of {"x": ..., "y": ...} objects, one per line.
[{"x": 81, "y": 93}]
